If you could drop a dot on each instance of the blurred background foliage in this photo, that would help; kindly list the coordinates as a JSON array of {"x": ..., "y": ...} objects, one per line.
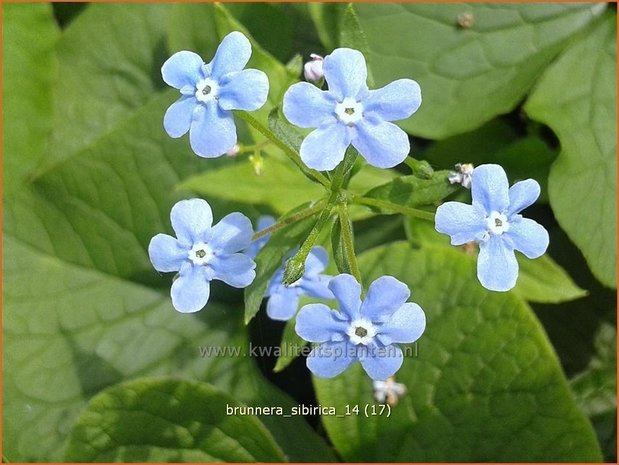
[{"x": 97, "y": 366}]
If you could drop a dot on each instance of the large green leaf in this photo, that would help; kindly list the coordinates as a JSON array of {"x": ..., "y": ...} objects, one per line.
[
  {"x": 28, "y": 75},
  {"x": 77, "y": 315},
  {"x": 485, "y": 386},
  {"x": 577, "y": 98},
  {"x": 168, "y": 421},
  {"x": 596, "y": 389},
  {"x": 467, "y": 75},
  {"x": 109, "y": 62}
]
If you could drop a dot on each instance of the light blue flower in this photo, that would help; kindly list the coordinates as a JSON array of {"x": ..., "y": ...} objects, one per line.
[
  {"x": 366, "y": 331},
  {"x": 209, "y": 93},
  {"x": 202, "y": 252},
  {"x": 263, "y": 222},
  {"x": 493, "y": 220},
  {"x": 349, "y": 113},
  {"x": 284, "y": 300}
]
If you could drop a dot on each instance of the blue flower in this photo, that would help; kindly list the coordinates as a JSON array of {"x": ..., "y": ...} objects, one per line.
[
  {"x": 209, "y": 92},
  {"x": 202, "y": 252},
  {"x": 284, "y": 300},
  {"x": 493, "y": 220},
  {"x": 349, "y": 113},
  {"x": 263, "y": 222},
  {"x": 366, "y": 331}
]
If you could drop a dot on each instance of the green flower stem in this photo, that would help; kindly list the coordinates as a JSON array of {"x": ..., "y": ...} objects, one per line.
[
  {"x": 343, "y": 170},
  {"x": 290, "y": 153},
  {"x": 393, "y": 207},
  {"x": 348, "y": 242},
  {"x": 295, "y": 266},
  {"x": 320, "y": 205}
]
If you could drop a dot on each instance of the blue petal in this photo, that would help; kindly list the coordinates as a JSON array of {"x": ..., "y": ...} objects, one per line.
[
  {"x": 397, "y": 100},
  {"x": 283, "y": 305},
  {"x": 346, "y": 73},
  {"x": 324, "y": 147},
  {"x": 316, "y": 261},
  {"x": 306, "y": 106},
  {"x": 178, "y": 116},
  {"x": 382, "y": 144},
  {"x": 529, "y": 237},
  {"x": 405, "y": 325},
  {"x": 381, "y": 363},
  {"x": 489, "y": 188},
  {"x": 317, "y": 286},
  {"x": 247, "y": 90},
  {"x": 347, "y": 291},
  {"x": 464, "y": 223},
  {"x": 330, "y": 359},
  {"x": 522, "y": 194},
  {"x": 232, "y": 234},
  {"x": 166, "y": 253},
  {"x": 212, "y": 131},
  {"x": 497, "y": 268},
  {"x": 190, "y": 291},
  {"x": 191, "y": 219},
  {"x": 232, "y": 55},
  {"x": 318, "y": 323},
  {"x": 385, "y": 296},
  {"x": 182, "y": 69},
  {"x": 236, "y": 270}
]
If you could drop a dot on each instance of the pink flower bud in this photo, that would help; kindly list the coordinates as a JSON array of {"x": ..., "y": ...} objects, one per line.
[{"x": 312, "y": 70}]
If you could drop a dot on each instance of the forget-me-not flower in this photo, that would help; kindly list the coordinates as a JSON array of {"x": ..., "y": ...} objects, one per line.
[
  {"x": 201, "y": 252},
  {"x": 493, "y": 220},
  {"x": 350, "y": 113},
  {"x": 263, "y": 222},
  {"x": 209, "y": 93},
  {"x": 284, "y": 300},
  {"x": 366, "y": 331}
]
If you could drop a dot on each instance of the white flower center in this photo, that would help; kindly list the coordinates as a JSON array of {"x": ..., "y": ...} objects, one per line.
[
  {"x": 361, "y": 331},
  {"x": 201, "y": 253},
  {"x": 206, "y": 90},
  {"x": 497, "y": 223},
  {"x": 349, "y": 111}
]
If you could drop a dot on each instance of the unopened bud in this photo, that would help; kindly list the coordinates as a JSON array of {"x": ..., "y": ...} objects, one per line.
[
  {"x": 312, "y": 70},
  {"x": 295, "y": 267},
  {"x": 462, "y": 175}
]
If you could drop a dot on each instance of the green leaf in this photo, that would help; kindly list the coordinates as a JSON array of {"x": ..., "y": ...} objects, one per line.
[
  {"x": 596, "y": 389},
  {"x": 103, "y": 83},
  {"x": 352, "y": 36},
  {"x": 27, "y": 92},
  {"x": 326, "y": 18},
  {"x": 467, "y": 75},
  {"x": 485, "y": 387},
  {"x": 280, "y": 185},
  {"x": 168, "y": 421},
  {"x": 291, "y": 346},
  {"x": 542, "y": 280},
  {"x": 577, "y": 97},
  {"x": 270, "y": 258},
  {"x": 411, "y": 191}
]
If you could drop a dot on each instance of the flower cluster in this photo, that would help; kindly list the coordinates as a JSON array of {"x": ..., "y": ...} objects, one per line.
[{"x": 346, "y": 113}]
